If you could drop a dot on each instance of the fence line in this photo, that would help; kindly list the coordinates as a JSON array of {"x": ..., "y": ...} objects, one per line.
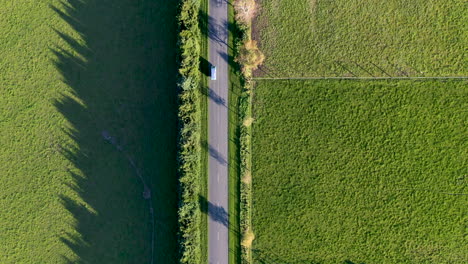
[{"x": 365, "y": 78}]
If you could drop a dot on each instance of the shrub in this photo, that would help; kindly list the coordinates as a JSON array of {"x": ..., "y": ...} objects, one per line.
[
  {"x": 250, "y": 57},
  {"x": 189, "y": 145}
]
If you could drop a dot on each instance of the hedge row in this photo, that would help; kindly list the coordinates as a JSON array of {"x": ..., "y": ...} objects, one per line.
[
  {"x": 189, "y": 145},
  {"x": 244, "y": 48}
]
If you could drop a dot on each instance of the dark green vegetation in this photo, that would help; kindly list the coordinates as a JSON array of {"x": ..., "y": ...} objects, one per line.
[
  {"x": 68, "y": 72},
  {"x": 191, "y": 130},
  {"x": 363, "y": 38},
  {"x": 360, "y": 172}
]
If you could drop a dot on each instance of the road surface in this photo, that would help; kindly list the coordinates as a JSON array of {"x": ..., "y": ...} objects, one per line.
[{"x": 218, "y": 134}]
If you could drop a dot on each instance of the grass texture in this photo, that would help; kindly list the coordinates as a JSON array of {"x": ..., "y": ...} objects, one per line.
[
  {"x": 203, "y": 24},
  {"x": 68, "y": 71},
  {"x": 360, "y": 172},
  {"x": 235, "y": 89},
  {"x": 362, "y": 38}
]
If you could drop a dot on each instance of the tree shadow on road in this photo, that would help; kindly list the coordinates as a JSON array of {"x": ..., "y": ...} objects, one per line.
[{"x": 214, "y": 212}]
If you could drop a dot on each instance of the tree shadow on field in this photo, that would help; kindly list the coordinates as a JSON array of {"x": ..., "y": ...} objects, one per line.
[{"x": 121, "y": 71}]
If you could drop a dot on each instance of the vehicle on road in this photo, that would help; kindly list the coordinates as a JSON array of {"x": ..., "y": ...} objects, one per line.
[{"x": 213, "y": 73}]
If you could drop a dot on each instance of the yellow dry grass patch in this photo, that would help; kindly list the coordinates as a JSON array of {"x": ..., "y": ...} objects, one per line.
[
  {"x": 312, "y": 6},
  {"x": 248, "y": 121},
  {"x": 245, "y": 10},
  {"x": 247, "y": 178},
  {"x": 248, "y": 238}
]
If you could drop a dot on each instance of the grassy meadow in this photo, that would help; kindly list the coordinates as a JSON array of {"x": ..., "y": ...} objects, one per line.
[
  {"x": 360, "y": 172},
  {"x": 70, "y": 70},
  {"x": 362, "y": 38}
]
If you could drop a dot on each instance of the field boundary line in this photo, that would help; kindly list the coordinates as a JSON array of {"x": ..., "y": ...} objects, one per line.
[{"x": 364, "y": 78}]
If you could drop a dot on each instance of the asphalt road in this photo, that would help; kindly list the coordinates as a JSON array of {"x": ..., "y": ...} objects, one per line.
[{"x": 218, "y": 225}]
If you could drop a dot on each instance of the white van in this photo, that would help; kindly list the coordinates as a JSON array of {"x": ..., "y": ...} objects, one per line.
[{"x": 213, "y": 73}]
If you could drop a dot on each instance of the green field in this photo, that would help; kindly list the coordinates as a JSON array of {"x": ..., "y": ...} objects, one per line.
[
  {"x": 360, "y": 172},
  {"x": 363, "y": 38},
  {"x": 68, "y": 71}
]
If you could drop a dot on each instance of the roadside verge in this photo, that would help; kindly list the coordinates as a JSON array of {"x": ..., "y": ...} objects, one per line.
[{"x": 246, "y": 57}]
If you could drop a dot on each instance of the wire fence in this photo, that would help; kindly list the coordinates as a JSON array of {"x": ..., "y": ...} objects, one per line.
[{"x": 365, "y": 78}]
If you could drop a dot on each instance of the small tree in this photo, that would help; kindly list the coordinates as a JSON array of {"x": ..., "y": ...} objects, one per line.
[{"x": 250, "y": 57}]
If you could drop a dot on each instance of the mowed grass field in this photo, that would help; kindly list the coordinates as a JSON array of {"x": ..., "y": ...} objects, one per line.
[
  {"x": 70, "y": 70},
  {"x": 362, "y": 38},
  {"x": 360, "y": 172}
]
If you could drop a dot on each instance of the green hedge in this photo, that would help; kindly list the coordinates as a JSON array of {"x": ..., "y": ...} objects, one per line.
[{"x": 189, "y": 145}]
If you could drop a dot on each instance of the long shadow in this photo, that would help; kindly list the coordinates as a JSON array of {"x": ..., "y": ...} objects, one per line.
[
  {"x": 363, "y": 69},
  {"x": 221, "y": 216},
  {"x": 344, "y": 67},
  {"x": 224, "y": 56},
  {"x": 216, "y": 213},
  {"x": 381, "y": 69},
  {"x": 233, "y": 163},
  {"x": 398, "y": 70},
  {"x": 269, "y": 72},
  {"x": 215, "y": 97},
  {"x": 122, "y": 118},
  {"x": 216, "y": 155},
  {"x": 209, "y": 28},
  {"x": 211, "y": 94}
]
